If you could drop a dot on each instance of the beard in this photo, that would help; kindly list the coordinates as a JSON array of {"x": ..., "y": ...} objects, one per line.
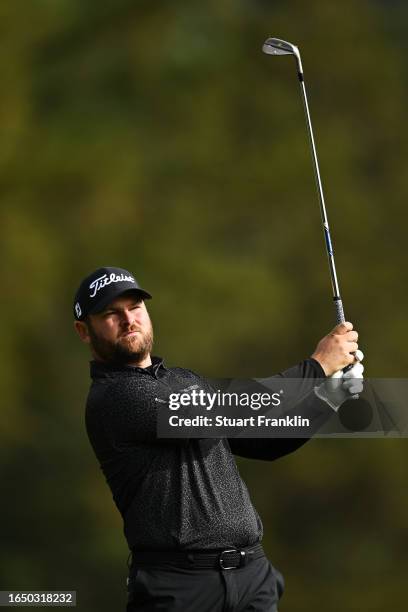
[{"x": 124, "y": 350}]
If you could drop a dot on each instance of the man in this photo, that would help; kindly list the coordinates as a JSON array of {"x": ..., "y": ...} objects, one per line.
[{"x": 188, "y": 518}]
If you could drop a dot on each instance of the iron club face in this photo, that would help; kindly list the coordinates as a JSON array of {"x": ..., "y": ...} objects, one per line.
[{"x": 276, "y": 46}]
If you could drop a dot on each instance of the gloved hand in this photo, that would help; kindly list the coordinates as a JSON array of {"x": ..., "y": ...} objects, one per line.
[{"x": 341, "y": 386}]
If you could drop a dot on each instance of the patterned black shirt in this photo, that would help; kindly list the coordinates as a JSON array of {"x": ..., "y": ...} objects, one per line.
[{"x": 174, "y": 493}]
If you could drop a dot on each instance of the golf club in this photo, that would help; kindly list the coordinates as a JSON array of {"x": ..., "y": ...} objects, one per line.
[{"x": 275, "y": 46}]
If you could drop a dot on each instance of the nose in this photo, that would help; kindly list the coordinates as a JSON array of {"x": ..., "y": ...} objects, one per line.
[{"x": 128, "y": 317}]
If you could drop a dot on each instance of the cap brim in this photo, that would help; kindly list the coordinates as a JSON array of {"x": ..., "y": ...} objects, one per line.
[{"x": 105, "y": 302}]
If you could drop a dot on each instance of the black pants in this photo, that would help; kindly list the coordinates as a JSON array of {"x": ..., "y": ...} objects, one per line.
[{"x": 256, "y": 587}]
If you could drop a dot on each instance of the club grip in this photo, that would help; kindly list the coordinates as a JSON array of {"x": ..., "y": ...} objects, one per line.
[
  {"x": 340, "y": 318},
  {"x": 338, "y": 304}
]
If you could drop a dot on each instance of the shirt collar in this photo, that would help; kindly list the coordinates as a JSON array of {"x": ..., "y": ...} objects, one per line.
[{"x": 101, "y": 369}]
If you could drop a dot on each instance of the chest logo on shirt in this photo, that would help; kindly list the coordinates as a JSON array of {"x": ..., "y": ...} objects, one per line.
[{"x": 186, "y": 390}]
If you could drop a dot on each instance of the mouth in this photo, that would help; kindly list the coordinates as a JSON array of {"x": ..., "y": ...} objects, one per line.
[{"x": 130, "y": 334}]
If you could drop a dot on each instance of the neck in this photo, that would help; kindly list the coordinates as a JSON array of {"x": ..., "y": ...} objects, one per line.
[{"x": 143, "y": 363}]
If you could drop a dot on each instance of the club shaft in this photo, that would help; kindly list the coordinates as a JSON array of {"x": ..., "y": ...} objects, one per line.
[{"x": 329, "y": 247}]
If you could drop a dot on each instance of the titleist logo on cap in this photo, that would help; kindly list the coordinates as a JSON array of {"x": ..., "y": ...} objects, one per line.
[{"x": 104, "y": 280}]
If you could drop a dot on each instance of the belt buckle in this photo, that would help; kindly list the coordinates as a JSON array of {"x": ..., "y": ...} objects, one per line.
[{"x": 231, "y": 550}]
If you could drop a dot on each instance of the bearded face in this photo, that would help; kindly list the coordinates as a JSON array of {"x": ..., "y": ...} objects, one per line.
[{"x": 122, "y": 333}]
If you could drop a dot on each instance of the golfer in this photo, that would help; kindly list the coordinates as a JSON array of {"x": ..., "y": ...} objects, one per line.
[{"x": 194, "y": 534}]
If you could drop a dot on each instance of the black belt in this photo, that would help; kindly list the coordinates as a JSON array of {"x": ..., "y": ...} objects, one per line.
[{"x": 230, "y": 558}]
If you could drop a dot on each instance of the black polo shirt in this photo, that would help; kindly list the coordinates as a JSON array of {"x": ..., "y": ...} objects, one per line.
[{"x": 179, "y": 493}]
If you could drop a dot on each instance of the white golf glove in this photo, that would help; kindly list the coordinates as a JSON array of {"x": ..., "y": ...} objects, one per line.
[{"x": 341, "y": 386}]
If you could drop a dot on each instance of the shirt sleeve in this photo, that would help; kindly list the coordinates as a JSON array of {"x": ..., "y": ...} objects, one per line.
[{"x": 299, "y": 382}]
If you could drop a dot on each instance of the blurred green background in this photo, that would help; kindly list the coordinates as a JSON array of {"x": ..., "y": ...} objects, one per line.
[{"x": 157, "y": 137}]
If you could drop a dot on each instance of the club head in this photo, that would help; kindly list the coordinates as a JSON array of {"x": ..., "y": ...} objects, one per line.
[{"x": 276, "y": 46}]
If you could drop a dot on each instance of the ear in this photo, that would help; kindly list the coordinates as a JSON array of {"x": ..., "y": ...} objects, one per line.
[{"x": 82, "y": 330}]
